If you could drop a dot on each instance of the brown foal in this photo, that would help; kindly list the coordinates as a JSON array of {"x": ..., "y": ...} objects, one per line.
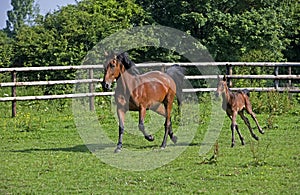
[{"x": 234, "y": 104}]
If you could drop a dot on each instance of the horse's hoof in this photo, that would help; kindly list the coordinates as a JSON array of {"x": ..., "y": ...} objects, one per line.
[
  {"x": 232, "y": 145},
  {"x": 174, "y": 139},
  {"x": 255, "y": 137},
  {"x": 162, "y": 147},
  {"x": 261, "y": 131},
  {"x": 150, "y": 138},
  {"x": 118, "y": 149}
]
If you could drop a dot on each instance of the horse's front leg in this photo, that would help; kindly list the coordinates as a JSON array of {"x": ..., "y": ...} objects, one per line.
[
  {"x": 233, "y": 127},
  {"x": 121, "y": 116},
  {"x": 142, "y": 114}
]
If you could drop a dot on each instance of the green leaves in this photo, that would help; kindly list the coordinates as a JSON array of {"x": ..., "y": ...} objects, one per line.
[
  {"x": 231, "y": 29},
  {"x": 6, "y": 50},
  {"x": 23, "y": 13},
  {"x": 65, "y": 36}
]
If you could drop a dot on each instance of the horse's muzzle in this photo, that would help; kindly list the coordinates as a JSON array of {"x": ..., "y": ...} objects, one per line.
[
  {"x": 217, "y": 95},
  {"x": 106, "y": 86}
]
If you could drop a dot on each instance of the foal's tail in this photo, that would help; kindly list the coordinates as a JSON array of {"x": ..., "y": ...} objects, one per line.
[
  {"x": 176, "y": 72},
  {"x": 246, "y": 91}
]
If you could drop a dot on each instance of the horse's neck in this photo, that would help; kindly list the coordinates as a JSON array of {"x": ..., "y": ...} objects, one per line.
[
  {"x": 127, "y": 81},
  {"x": 226, "y": 96}
]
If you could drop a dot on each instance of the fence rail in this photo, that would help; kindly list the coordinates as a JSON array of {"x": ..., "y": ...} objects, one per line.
[{"x": 91, "y": 80}]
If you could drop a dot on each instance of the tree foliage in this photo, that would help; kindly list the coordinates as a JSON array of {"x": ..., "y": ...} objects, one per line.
[
  {"x": 64, "y": 36},
  {"x": 23, "y": 13},
  {"x": 236, "y": 30},
  {"x": 6, "y": 50},
  {"x": 232, "y": 29}
]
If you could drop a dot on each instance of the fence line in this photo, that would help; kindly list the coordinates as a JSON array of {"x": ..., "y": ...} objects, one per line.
[
  {"x": 154, "y": 64},
  {"x": 91, "y": 80}
]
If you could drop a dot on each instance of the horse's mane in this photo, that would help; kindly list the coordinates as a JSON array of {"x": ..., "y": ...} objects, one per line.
[{"x": 127, "y": 63}]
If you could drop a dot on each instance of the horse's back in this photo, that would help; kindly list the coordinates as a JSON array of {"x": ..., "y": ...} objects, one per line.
[
  {"x": 152, "y": 88},
  {"x": 159, "y": 77}
]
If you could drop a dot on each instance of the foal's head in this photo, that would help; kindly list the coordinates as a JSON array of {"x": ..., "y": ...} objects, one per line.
[
  {"x": 222, "y": 86},
  {"x": 112, "y": 71}
]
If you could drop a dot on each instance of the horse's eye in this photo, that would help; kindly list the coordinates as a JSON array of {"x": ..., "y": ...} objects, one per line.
[{"x": 112, "y": 65}]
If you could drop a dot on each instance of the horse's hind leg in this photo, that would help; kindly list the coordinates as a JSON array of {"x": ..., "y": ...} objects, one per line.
[
  {"x": 254, "y": 118},
  {"x": 168, "y": 124},
  {"x": 160, "y": 109},
  {"x": 142, "y": 114},
  {"x": 246, "y": 120},
  {"x": 240, "y": 135},
  {"x": 249, "y": 110},
  {"x": 171, "y": 134}
]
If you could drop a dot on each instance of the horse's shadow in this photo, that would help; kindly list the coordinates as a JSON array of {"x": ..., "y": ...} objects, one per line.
[
  {"x": 78, "y": 148},
  {"x": 89, "y": 148}
]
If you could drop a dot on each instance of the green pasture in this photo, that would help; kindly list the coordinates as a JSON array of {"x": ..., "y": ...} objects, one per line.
[{"x": 41, "y": 152}]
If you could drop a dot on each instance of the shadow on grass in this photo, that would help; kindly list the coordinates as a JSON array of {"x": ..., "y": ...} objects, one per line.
[
  {"x": 95, "y": 147},
  {"x": 79, "y": 148}
]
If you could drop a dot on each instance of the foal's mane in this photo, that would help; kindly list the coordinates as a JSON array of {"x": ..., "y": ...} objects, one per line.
[
  {"x": 127, "y": 63},
  {"x": 243, "y": 91}
]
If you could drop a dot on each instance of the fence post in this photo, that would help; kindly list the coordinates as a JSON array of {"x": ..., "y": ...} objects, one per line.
[
  {"x": 276, "y": 81},
  {"x": 163, "y": 68},
  {"x": 91, "y": 90},
  {"x": 290, "y": 73},
  {"x": 14, "y": 94},
  {"x": 229, "y": 72}
]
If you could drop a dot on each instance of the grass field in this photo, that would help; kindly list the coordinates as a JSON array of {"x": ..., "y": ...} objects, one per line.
[{"x": 41, "y": 152}]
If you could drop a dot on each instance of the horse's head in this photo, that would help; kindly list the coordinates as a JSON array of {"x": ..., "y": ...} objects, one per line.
[
  {"x": 222, "y": 86},
  {"x": 112, "y": 71}
]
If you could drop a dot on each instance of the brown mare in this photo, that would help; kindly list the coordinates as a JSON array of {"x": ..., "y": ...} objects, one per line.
[
  {"x": 234, "y": 104},
  {"x": 134, "y": 92}
]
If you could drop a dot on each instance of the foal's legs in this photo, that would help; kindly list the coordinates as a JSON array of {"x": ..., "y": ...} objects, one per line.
[
  {"x": 142, "y": 114},
  {"x": 240, "y": 135},
  {"x": 254, "y": 118},
  {"x": 234, "y": 127},
  {"x": 249, "y": 110},
  {"x": 245, "y": 119}
]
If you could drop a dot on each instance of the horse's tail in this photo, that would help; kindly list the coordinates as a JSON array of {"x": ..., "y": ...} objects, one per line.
[
  {"x": 246, "y": 91},
  {"x": 176, "y": 72}
]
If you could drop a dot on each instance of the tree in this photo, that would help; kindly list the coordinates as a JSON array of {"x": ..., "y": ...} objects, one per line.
[
  {"x": 6, "y": 50},
  {"x": 65, "y": 36},
  {"x": 23, "y": 13},
  {"x": 230, "y": 29}
]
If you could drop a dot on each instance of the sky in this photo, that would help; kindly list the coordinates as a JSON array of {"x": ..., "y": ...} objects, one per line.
[{"x": 45, "y": 7}]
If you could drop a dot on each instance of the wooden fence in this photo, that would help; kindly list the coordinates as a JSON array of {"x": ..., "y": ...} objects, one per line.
[{"x": 91, "y": 80}]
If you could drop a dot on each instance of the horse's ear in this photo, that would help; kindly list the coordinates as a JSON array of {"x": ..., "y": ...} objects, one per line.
[{"x": 224, "y": 78}]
